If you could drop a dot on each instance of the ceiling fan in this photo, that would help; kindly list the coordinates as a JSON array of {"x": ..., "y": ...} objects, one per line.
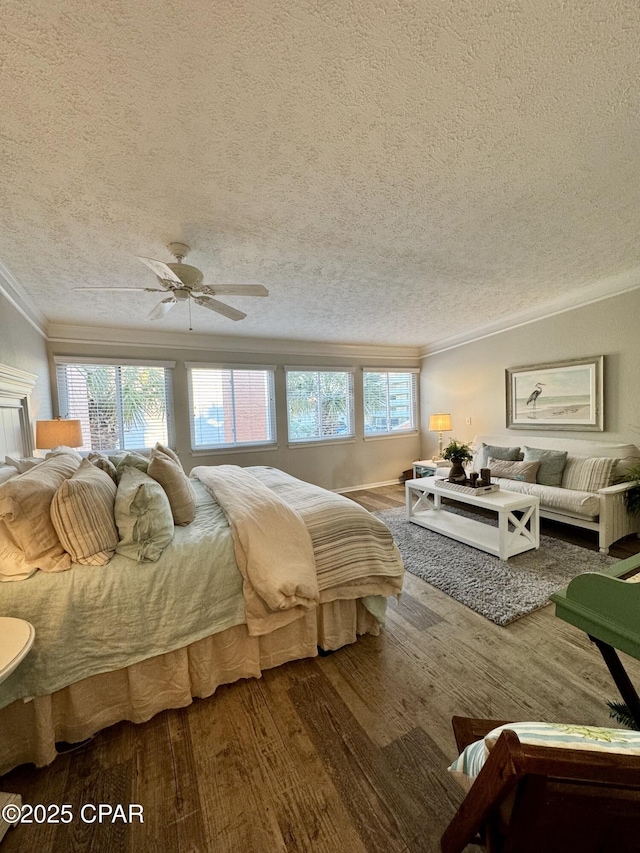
[{"x": 183, "y": 283}]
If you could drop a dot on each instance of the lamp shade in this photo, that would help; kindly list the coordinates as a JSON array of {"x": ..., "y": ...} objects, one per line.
[
  {"x": 51, "y": 434},
  {"x": 439, "y": 422}
]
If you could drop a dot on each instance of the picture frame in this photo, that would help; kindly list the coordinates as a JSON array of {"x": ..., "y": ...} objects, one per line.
[{"x": 561, "y": 395}]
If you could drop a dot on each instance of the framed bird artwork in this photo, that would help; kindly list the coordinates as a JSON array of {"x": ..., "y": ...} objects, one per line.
[{"x": 561, "y": 395}]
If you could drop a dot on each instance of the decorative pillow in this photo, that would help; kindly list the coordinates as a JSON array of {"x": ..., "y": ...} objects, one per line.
[
  {"x": 104, "y": 464},
  {"x": 168, "y": 452},
  {"x": 24, "y": 507},
  {"x": 143, "y": 516},
  {"x": 483, "y": 453},
  {"x": 131, "y": 460},
  {"x": 471, "y": 760},
  {"x": 523, "y": 471},
  {"x": 552, "y": 464},
  {"x": 169, "y": 473},
  {"x": 588, "y": 475},
  {"x": 82, "y": 514}
]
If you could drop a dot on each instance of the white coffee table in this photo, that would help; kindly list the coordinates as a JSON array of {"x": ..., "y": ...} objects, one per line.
[
  {"x": 512, "y": 536},
  {"x": 16, "y": 638}
]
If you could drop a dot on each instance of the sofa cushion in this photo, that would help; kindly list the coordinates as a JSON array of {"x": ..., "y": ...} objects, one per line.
[
  {"x": 484, "y": 451},
  {"x": 552, "y": 464},
  {"x": 588, "y": 475},
  {"x": 584, "y": 504},
  {"x": 525, "y": 471}
]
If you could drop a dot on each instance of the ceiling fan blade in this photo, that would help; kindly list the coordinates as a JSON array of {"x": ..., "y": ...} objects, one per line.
[
  {"x": 162, "y": 308},
  {"x": 219, "y": 307},
  {"x": 125, "y": 289},
  {"x": 234, "y": 289},
  {"x": 163, "y": 271}
]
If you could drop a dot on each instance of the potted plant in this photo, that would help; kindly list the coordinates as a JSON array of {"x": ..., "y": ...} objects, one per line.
[
  {"x": 632, "y": 496},
  {"x": 457, "y": 453}
]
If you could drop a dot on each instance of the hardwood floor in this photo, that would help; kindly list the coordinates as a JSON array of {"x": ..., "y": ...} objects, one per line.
[{"x": 339, "y": 754}]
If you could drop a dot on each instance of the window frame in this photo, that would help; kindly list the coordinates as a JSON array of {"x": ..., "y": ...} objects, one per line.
[
  {"x": 61, "y": 361},
  {"x": 414, "y": 402},
  {"x": 335, "y": 439},
  {"x": 235, "y": 447}
]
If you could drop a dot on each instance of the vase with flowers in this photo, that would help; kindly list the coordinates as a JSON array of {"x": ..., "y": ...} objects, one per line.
[{"x": 457, "y": 453}]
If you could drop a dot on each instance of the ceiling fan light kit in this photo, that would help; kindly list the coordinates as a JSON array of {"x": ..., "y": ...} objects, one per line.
[{"x": 183, "y": 283}]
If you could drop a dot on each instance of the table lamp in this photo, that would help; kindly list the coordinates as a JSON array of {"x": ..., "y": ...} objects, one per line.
[
  {"x": 440, "y": 423},
  {"x": 50, "y": 434}
]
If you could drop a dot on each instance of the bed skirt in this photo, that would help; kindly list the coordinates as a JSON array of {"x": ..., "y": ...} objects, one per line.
[{"x": 30, "y": 730}]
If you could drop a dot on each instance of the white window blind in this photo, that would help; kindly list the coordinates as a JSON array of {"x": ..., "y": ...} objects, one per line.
[
  {"x": 120, "y": 406},
  {"x": 231, "y": 406},
  {"x": 319, "y": 404},
  {"x": 390, "y": 401}
]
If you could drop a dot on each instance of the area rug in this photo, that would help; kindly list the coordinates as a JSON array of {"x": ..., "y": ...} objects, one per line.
[{"x": 502, "y": 591}]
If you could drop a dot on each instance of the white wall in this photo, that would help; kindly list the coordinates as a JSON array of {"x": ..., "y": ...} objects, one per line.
[
  {"x": 333, "y": 465},
  {"x": 469, "y": 381},
  {"x": 22, "y": 347}
]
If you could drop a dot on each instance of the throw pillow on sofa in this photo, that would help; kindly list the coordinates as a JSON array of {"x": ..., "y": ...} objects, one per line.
[
  {"x": 525, "y": 472},
  {"x": 552, "y": 464},
  {"x": 511, "y": 454},
  {"x": 588, "y": 475}
]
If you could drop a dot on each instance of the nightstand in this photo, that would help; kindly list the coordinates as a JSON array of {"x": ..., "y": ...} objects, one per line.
[{"x": 16, "y": 638}]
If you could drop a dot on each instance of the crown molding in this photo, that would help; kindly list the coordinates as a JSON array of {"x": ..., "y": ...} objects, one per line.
[
  {"x": 15, "y": 293},
  {"x": 601, "y": 290},
  {"x": 64, "y": 334}
]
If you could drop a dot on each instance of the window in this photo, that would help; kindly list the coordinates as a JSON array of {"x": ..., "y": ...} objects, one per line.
[
  {"x": 319, "y": 404},
  {"x": 231, "y": 406},
  {"x": 389, "y": 401},
  {"x": 121, "y": 406}
]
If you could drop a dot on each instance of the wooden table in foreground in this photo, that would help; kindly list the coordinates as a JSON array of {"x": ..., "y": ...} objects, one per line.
[
  {"x": 16, "y": 638},
  {"x": 607, "y": 606},
  {"x": 513, "y": 535}
]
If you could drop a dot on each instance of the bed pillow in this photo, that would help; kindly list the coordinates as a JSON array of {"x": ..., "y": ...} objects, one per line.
[
  {"x": 525, "y": 472},
  {"x": 13, "y": 565},
  {"x": 104, "y": 464},
  {"x": 62, "y": 448},
  {"x": 169, "y": 473},
  {"x": 23, "y": 463},
  {"x": 168, "y": 452},
  {"x": 143, "y": 516},
  {"x": 552, "y": 464},
  {"x": 130, "y": 460},
  {"x": 472, "y": 759},
  {"x": 511, "y": 454},
  {"x": 82, "y": 514},
  {"x": 24, "y": 507},
  {"x": 588, "y": 475},
  {"x": 7, "y": 472}
]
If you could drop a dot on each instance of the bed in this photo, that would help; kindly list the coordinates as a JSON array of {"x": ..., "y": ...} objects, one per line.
[{"x": 126, "y": 640}]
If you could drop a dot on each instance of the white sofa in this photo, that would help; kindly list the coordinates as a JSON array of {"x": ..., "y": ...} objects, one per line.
[{"x": 604, "y": 511}]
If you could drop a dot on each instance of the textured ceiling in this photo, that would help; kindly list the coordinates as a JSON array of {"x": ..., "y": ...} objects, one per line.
[{"x": 393, "y": 172}]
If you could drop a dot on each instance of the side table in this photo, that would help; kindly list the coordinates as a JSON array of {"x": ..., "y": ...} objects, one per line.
[
  {"x": 16, "y": 638},
  {"x": 428, "y": 467}
]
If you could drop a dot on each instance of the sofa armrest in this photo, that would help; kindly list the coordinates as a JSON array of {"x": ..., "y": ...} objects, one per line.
[
  {"x": 615, "y": 521},
  {"x": 616, "y": 489}
]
